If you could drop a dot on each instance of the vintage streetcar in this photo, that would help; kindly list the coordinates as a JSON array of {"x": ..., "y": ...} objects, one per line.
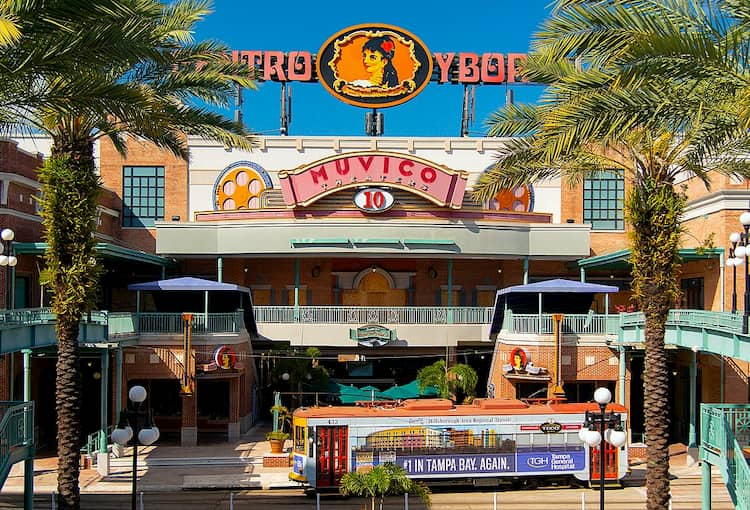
[{"x": 487, "y": 443}]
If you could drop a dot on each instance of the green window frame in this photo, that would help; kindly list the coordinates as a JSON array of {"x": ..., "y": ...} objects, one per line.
[
  {"x": 604, "y": 199},
  {"x": 142, "y": 195}
]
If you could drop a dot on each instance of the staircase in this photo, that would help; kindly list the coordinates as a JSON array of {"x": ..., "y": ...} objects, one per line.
[
  {"x": 16, "y": 435},
  {"x": 725, "y": 443}
]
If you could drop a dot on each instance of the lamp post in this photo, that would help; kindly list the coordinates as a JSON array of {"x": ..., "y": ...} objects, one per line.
[
  {"x": 136, "y": 423},
  {"x": 734, "y": 261},
  {"x": 603, "y": 423},
  {"x": 8, "y": 259},
  {"x": 742, "y": 251}
]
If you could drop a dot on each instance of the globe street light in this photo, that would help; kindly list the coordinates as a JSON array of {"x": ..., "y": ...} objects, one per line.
[
  {"x": 741, "y": 253},
  {"x": 602, "y": 423},
  {"x": 8, "y": 259},
  {"x": 734, "y": 260},
  {"x": 136, "y": 424}
]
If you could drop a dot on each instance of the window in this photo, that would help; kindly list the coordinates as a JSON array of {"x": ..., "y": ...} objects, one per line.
[
  {"x": 142, "y": 195},
  {"x": 603, "y": 197}
]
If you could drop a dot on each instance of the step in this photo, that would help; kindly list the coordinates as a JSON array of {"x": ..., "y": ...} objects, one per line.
[{"x": 186, "y": 461}]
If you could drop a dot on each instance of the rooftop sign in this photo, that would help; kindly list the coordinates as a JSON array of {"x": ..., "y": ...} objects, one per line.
[{"x": 375, "y": 66}]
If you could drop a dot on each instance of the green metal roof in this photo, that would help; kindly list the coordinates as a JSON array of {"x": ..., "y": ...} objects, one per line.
[
  {"x": 108, "y": 250},
  {"x": 621, "y": 259}
]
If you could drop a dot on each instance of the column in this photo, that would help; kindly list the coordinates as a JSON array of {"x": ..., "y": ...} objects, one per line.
[
  {"x": 28, "y": 463},
  {"x": 102, "y": 457},
  {"x": 220, "y": 269},
  {"x": 189, "y": 430},
  {"x": 233, "y": 427},
  {"x": 692, "y": 450}
]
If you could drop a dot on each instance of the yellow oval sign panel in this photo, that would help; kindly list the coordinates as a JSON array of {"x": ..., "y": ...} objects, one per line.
[{"x": 374, "y": 65}]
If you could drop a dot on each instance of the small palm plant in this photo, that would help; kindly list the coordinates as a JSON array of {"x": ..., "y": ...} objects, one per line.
[
  {"x": 387, "y": 479},
  {"x": 448, "y": 381}
]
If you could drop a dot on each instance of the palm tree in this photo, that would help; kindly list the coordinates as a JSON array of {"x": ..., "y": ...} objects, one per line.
[
  {"x": 384, "y": 480},
  {"x": 631, "y": 89},
  {"x": 148, "y": 88},
  {"x": 448, "y": 381}
]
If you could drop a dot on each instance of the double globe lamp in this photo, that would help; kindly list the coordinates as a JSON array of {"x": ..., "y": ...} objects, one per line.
[
  {"x": 146, "y": 435},
  {"x": 613, "y": 433}
]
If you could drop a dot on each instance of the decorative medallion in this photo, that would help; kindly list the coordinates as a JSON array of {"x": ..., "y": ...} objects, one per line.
[
  {"x": 374, "y": 65},
  {"x": 240, "y": 186}
]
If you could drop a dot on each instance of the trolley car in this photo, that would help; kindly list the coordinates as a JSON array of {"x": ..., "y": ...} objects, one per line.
[{"x": 489, "y": 442}]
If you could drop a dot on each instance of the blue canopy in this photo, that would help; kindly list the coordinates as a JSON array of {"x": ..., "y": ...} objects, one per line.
[
  {"x": 559, "y": 285},
  {"x": 187, "y": 283},
  {"x": 549, "y": 296}
]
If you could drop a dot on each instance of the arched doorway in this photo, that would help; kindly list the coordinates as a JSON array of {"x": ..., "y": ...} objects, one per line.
[{"x": 374, "y": 287}]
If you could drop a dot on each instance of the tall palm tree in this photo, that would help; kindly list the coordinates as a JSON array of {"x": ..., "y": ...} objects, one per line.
[
  {"x": 148, "y": 87},
  {"x": 625, "y": 95}
]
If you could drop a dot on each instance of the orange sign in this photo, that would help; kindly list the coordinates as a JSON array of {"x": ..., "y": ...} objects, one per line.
[
  {"x": 225, "y": 357},
  {"x": 374, "y": 65},
  {"x": 518, "y": 359}
]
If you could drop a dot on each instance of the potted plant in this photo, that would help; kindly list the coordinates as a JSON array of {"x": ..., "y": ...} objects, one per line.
[{"x": 277, "y": 436}]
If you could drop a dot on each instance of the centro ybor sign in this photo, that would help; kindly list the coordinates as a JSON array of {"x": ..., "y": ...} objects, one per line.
[{"x": 440, "y": 185}]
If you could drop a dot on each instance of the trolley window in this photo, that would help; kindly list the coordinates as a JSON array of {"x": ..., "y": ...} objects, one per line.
[{"x": 299, "y": 439}]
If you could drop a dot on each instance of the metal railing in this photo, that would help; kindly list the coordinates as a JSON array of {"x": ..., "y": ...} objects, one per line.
[
  {"x": 725, "y": 428},
  {"x": 24, "y": 316},
  {"x": 373, "y": 315},
  {"x": 172, "y": 323},
  {"x": 16, "y": 435},
  {"x": 579, "y": 324},
  {"x": 720, "y": 321}
]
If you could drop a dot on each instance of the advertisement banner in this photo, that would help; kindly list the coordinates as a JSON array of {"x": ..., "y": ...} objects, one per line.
[
  {"x": 567, "y": 461},
  {"x": 555, "y": 462}
]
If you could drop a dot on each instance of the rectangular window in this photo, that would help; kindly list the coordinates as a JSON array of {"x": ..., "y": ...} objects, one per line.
[
  {"x": 142, "y": 195},
  {"x": 603, "y": 200}
]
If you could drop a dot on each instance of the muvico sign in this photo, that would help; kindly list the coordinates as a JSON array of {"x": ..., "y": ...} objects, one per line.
[{"x": 438, "y": 184}]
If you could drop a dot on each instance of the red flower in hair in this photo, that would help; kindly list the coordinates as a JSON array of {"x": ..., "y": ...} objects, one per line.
[{"x": 387, "y": 46}]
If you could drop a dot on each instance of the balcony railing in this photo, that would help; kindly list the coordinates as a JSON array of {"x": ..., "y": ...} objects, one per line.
[
  {"x": 373, "y": 315},
  {"x": 172, "y": 323},
  {"x": 579, "y": 324}
]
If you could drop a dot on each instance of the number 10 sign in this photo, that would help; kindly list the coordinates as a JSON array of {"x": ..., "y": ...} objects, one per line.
[{"x": 373, "y": 200}]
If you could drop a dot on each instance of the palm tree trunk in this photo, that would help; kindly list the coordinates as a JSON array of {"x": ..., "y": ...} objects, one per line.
[
  {"x": 70, "y": 191},
  {"x": 654, "y": 210},
  {"x": 68, "y": 383}
]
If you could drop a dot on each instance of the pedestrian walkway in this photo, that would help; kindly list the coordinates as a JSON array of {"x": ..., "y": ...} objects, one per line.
[
  {"x": 164, "y": 468},
  {"x": 226, "y": 466}
]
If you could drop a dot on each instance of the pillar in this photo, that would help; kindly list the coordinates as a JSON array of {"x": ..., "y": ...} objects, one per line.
[
  {"x": 28, "y": 463},
  {"x": 102, "y": 458},
  {"x": 692, "y": 450},
  {"x": 189, "y": 430},
  {"x": 233, "y": 427},
  {"x": 220, "y": 269}
]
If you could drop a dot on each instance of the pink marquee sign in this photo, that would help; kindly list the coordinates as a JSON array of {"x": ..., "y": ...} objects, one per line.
[{"x": 441, "y": 185}]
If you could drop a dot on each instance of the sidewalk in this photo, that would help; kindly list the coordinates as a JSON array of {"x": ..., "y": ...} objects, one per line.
[
  {"x": 227, "y": 466},
  {"x": 169, "y": 468}
]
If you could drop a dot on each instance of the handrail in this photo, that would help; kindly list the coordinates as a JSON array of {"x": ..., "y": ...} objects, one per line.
[
  {"x": 16, "y": 435},
  {"x": 172, "y": 323},
  {"x": 373, "y": 314},
  {"x": 724, "y": 428}
]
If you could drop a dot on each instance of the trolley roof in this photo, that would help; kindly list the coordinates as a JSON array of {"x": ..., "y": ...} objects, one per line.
[{"x": 445, "y": 407}]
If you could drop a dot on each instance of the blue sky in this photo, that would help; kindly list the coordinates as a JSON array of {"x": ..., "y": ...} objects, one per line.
[{"x": 480, "y": 27}]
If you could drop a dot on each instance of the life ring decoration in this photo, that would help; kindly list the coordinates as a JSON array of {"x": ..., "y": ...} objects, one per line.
[
  {"x": 518, "y": 359},
  {"x": 225, "y": 357}
]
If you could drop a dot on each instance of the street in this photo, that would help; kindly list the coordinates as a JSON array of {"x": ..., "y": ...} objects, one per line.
[{"x": 686, "y": 495}]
